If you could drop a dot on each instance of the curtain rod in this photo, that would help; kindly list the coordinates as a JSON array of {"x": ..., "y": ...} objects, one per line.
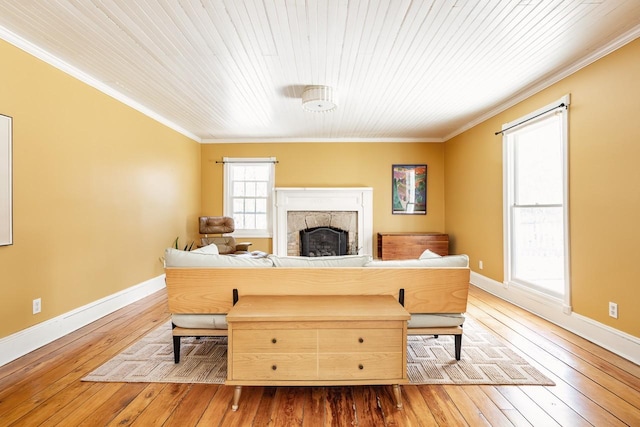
[
  {"x": 248, "y": 161},
  {"x": 531, "y": 118}
]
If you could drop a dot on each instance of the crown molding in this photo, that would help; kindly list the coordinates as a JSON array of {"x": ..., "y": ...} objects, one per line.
[
  {"x": 74, "y": 72},
  {"x": 67, "y": 68},
  {"x": 616, "y": 44},
  {"x": 320, "y": 140}
]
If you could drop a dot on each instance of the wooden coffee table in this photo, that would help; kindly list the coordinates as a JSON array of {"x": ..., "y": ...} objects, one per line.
[{"x": 317, "y": 340}]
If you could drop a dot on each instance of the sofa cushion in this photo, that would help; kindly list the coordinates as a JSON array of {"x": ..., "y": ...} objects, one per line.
[
  {"x": 219, "y": 321},
  {"x": 429, "y": 254},
  {"x": 178, "y": 258},
  {"x": 440, "y": 320},
  {"x": 211, "y": 249},
  {"x": 323, "y": 261},
  {"x": 444, "y": 261},
  {"x": 200, "y": 321}
]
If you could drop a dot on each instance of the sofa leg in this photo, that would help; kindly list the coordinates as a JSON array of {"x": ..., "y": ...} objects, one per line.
[
  {"x": 176, "y": 349},
  {"x": 458, "y": 345},
  {"x": 436, "y": 336}
]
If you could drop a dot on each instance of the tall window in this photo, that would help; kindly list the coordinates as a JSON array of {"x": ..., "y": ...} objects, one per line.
[
  {"x": 247, "y": 196},
  {"x": 536, "y": 194}
]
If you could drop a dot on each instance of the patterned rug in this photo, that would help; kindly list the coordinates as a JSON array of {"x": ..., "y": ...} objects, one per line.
[{"x": 485, "y": 360}]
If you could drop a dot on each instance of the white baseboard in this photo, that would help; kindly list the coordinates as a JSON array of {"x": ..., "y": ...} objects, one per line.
[
  {"x": 614, "y": 340},
  {"x": 27, "y": 340}
]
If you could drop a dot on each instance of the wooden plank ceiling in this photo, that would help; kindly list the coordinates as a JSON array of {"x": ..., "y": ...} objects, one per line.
[{"x": 401, "y": 70}]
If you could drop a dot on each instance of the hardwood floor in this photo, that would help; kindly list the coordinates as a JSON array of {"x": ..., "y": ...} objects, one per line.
[{"x": 593, "y": 386}]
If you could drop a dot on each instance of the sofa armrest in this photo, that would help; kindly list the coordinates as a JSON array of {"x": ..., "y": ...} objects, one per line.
[{"x": 243, "y": 246}]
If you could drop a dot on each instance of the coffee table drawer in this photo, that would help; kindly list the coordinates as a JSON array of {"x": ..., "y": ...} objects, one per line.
[
  {"x": 360, "y": 366},
  {"x": 359, "y": 340},
  {"x": 260, "y": 367},
  {"x": 274, "y": 341}
]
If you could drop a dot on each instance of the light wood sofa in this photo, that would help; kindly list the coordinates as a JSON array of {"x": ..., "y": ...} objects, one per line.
[{"x": 436, "y": 297}]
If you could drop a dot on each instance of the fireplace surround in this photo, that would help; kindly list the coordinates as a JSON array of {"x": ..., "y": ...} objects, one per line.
[{"x": 356, "y": 201}]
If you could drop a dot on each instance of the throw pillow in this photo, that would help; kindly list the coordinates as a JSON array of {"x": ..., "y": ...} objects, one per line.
[
  {"x": 178, "y": 258},
  {"x": 211, "y": 249},
  {"x": 428, "y": 254}
]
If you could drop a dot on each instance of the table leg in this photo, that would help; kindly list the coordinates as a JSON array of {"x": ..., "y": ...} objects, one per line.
[
  {"x": 398, "y": 395},
  {"x": 236, "y": 397}
]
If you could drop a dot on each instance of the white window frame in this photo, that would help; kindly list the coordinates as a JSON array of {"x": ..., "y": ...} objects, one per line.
[
  {"x": 508, "y": 194},
  {"x": 229, "y": 163}
]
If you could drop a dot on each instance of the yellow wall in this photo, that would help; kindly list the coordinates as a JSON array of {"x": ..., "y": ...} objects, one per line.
[
  {"x": 604, "y": 177},
  {"x": 99, "y": 190},
  {"x": 337, "y": 165}
]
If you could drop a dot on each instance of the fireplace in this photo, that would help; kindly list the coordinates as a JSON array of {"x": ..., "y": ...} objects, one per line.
[
  {"x": 323, "y": 241},
  {"x": 349, "y": 209},
  {"x": 298, "y": 221}
]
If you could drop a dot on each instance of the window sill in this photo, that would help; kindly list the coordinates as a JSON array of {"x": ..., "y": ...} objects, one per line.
[{"x": 257, "y": 234}]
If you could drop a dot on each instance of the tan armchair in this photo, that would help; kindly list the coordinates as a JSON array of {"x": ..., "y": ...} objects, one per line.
[{"x": 219, "y": 225}]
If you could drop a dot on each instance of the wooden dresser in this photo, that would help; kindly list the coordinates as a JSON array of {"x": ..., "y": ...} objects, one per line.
[
  {"x": 317, "y": 340},
  {"x": 411, "y": 245}
]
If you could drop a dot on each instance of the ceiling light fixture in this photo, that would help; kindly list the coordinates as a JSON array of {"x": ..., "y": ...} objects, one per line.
[{"x": 318, "y": 99}]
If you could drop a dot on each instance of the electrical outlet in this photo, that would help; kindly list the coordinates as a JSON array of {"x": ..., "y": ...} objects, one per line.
[
  {"x": 37, "y": 305},
  {"x": 613, "y": 310},
  {"x": 480, "y": 264}
]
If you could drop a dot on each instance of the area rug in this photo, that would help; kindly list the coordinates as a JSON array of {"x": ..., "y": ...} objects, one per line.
[{"x": 485, "y": 360}]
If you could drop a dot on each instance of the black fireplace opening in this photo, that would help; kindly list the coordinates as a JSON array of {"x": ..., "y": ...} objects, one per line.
[{"x": 323, "y": 241}]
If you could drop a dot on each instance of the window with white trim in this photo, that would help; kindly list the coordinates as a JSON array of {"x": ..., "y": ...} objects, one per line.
[
  {"x": 248, "y": 189},
  {"x": 536, "y": 196}
]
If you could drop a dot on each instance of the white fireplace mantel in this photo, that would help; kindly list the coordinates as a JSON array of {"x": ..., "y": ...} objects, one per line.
[{"x": 357, "y": 199}]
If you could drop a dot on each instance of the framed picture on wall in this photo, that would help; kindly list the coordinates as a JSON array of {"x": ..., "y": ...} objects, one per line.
[
  {"x": 6, "y": 209},
  {"x": 409, "y": 189}
]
